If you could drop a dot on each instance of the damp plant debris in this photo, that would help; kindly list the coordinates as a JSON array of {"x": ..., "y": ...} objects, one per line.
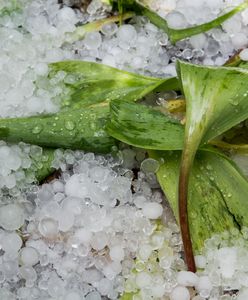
[{"x": 123, "y": 150}]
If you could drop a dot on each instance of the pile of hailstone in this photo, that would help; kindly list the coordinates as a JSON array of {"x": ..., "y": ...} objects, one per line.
[{"x": 102, "y": 229}]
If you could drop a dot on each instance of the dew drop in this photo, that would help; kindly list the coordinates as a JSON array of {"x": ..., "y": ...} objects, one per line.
[
  {"x": 69, "y": 125},
  {"x": 37, "y": 129}
]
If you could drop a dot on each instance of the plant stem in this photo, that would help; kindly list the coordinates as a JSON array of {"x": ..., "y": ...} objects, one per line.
[
  {"x": 81, "y": 31},
  {"x": 185, "y": 168},
  {"x": 224, "y": 145}
]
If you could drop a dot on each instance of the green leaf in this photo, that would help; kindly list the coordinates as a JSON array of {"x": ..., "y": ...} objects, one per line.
[
  {"x": 81, "y": 122},
  {"x": 94, "y": 83},
  {"x": 216, "y": 100},
  {"x": 144, "y": 127},
  {"x": 176, "y": 35},
  {"x": 217, "y": 192},
  {"x": 74, "y": 129}
]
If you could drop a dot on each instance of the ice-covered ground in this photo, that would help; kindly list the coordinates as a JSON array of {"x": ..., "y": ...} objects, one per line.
[{"x": 96, "y": 232}]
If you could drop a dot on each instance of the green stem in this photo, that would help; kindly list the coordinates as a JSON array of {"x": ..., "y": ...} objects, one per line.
[
  {"x": 176, "y": 35},
  {"x": 227, "y": 146},
  {"x": 179, "y": 34}
]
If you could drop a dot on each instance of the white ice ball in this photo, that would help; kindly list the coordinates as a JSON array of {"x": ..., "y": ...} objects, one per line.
[
  {"x": 72, "y": 295},
  {"x": 204, "y": 285},
  {"x": 127, "y": 33},
  {"x": 200, "y": 261},
  {"x": 180, "y": 293},
  {"x": 83, "y": 235},
  {"x": 244, "y": 54},
  {"x": 186, "y": 278},
  {"x": 143, "y": 279},
  {"x": 48, "y": 227},
  {"x": 29, "y": 256},
  {"x": 11, "y": 243},
  {"x": 116, "y": 253},
  {"x": 152, "y": 210},
  {"x": 11, "y": 216}
]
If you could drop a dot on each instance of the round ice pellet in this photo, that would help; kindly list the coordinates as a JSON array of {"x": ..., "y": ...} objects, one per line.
[
  {"x": 93, "y": 296},
  {"x": 41, "y": 69},
  {"x": 158, "y": 291},
  {"x": 11, "y": 243},
  {"x": 48, "y": 227},
  {"x": 72, "y": 295},
  {"x": 11, "y": 216},
  {"x": 76, "y": 186},
  {"x": 29, "y": 256},
  {"x": 93, "y": 40},
  {"x": 28, "y": 273},
  {"x": 152, "y": 210},
  {"x": 99, "y": 240},
  {"x": 109, "y": 29},
  {"x": 66, "y": 220},
  {"x": 200, "y": 261},
  {"x": 116, "y": 253},
  {"x": 239, "y": 40},
  {"x": 127, "y": 33},
  {"x": 58, "y": 186},
  {"x": 143, "y": 279},
  {"x": 83, "y": 235},
  {"x": 244, "y": 54},
  {"x": 180, "y": 293},
  {"x": 176, "y": 20},
  {"x": 145, "y": 251},
  {"x": 187, "y": 278},
  {"x": 204, "y": 284}
]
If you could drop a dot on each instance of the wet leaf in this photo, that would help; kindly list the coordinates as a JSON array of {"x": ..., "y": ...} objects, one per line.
[
  {"x": 94, "y": 83},
  {"x": 144, "y": 127},
  {"x": 217, "y": 192},
  {"x": 81, "y": 122},
  {"x": 216, "y": 100},
  {"x": 74, "y": 129}
]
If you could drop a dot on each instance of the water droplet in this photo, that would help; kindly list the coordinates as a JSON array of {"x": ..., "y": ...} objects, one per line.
[
  {"x": 229, "y": 195},
  {"x": 93, "y": 126},
  {"x": 234, "y": 101},
  {"x": 209, "y": 167},
  {"x": 37, "y": 129},
  {"x": 69, "y": 125}
]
